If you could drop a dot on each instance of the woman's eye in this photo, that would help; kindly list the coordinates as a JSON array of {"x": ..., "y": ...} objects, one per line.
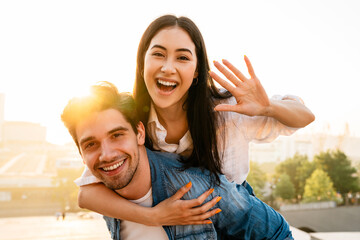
[
  {"x": 184, "y": 58},
  {"x": 158, "y": 54}
]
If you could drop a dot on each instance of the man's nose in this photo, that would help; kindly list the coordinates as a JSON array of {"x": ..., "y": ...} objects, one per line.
[
  {"x": 168, "y": 67},
  {"x": 108, "y": 152}
]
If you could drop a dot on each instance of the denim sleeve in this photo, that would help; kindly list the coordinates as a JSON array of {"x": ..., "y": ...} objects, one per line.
[
  {"x": 244, "y": 216},
  {"x": 113, "y": 226}
]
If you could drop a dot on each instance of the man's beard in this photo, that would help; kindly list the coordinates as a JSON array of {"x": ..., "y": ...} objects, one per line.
[
  {"x": 122, "y": 180},
  {"x": 118, "y": 182}
]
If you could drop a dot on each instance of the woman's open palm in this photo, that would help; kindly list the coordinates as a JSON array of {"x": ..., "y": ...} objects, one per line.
[{"x": 250, "y": 95}]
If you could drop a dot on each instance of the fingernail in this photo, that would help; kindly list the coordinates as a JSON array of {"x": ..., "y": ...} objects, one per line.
[
  {"x": 211, "y": 190},
  {"x": 188, "y": 185},
  {"x": 209, "y": 222},
  {"x": 218, "y": 199},
  {"x": 217, "y": 211},
  {"x": 214, "y": 61}
]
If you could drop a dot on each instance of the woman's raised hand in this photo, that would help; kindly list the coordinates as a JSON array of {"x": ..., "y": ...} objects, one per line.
[
  {"x": 250, "y": 95},
  {"x": 174, "y": 211}
]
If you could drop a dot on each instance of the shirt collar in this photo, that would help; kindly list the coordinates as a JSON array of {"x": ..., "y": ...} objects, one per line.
[{"x": 153, "y": 118}]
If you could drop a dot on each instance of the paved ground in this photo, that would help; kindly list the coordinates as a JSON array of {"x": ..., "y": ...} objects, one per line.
[
  {"x": 76, "y": 228},
  {"x": 340, "y": 219},
  {"x": 46, "y": 228}
]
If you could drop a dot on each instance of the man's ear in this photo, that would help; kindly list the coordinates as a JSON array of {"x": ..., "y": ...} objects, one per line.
[{"x": 141, "y": 133}]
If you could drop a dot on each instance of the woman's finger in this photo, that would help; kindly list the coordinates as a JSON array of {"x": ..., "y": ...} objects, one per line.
[
  {"x": 205, "y": 216},
  {"x": 227, "y": 108},
  {"x": 205, "y": 208},
  {"x": 202, "y": 218},
  {"x": 181, "y": 192},
  {"x": 196, "y": 202},
  {"x": 225, "y": 84},
  {"x": 235, "y": 70},
  {"x": 231, "y": 77},
  {"x": 249, "y": 66}
]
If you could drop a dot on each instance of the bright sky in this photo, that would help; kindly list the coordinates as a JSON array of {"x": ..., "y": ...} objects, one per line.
[{"x": 51, "y": 51}]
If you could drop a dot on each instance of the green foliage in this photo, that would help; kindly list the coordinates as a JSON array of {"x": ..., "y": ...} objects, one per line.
[
  {"x": 285, "y": 188},
  {"x": 340, "y": 171},
  {"x": 298, "y": 168},
  {"x": 256, "y": 179},
  {"x": 319, "y": 187},
  {"x": 303, "y": 173}
]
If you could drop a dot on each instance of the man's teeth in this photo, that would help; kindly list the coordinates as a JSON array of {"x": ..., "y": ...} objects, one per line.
[
  {"x": 165, "y": 83},
  {"x": 113, "y": 166}
]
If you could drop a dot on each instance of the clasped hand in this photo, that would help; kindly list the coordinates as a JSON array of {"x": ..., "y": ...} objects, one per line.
[{"x": 175, "y": 211}]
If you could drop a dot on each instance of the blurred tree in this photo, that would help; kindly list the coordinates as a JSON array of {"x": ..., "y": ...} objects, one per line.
[
  {"x": 256, "y": 179},
  {"x": 303, "y": 172},
  {"x": 319, "y": 187},
  {"x": 298, "y": 168},
  {"x": 284, "y": 188},
  {"x": 340, "y": 171}
]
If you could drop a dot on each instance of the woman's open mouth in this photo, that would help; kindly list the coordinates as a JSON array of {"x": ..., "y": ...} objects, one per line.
[{"x": 166, "y": 86}]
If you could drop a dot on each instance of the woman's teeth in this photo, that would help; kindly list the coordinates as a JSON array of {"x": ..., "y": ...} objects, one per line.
[
  {"x": 113, "y": 166},
  {"x": 166, "y": 86},
  {"x": 165, "y": 83}
]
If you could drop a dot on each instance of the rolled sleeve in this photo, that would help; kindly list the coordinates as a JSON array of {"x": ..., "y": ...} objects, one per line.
[{"x": 86, "y": 178}]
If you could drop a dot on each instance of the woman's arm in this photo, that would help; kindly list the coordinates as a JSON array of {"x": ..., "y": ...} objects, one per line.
[
  {"x": 252, "y": 99},
  {"x": 172, "y": 211},
  {"x": 289, "y": 112}
]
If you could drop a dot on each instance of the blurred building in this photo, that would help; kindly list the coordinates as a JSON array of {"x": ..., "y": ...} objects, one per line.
[
  {"x": 24, "y": 132},
  {"x": 29, "y": 180},
  {"x": 305, "y": 144},
  {"x": 2, "y": 109}
]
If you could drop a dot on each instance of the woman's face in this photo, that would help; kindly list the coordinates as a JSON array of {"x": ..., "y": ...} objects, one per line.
[{"x": 170, "y": 67}]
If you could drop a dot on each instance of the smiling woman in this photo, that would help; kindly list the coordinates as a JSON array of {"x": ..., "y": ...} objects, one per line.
[{"x": 170, "y": 67}]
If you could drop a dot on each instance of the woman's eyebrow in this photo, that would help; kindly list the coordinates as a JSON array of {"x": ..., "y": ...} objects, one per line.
[
  {"x": 177, "y": 50},
  {"x": 158, "y": 46},
  {"x": 183, "y": 50}
]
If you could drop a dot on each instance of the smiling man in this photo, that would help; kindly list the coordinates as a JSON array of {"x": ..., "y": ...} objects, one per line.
[{"x": 111, "y": 140}]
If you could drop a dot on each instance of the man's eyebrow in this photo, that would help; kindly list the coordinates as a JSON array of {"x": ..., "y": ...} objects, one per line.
[
  {"x": 117, "y": 129},
  {"x": 82, "y": 141},
  {"x": 177, "y": 50}
]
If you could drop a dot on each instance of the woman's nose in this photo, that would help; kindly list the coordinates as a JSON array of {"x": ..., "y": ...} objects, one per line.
[{"x": 168, "y": 67}]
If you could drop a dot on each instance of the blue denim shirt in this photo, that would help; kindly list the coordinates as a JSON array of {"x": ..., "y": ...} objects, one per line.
[{"x": 243, "y": 216}]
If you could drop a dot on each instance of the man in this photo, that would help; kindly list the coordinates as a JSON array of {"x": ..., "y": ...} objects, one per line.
[{"x": 111, "y": 140}]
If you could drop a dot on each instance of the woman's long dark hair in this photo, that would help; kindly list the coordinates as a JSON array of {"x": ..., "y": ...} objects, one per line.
[{"x": 202, "y": 119}]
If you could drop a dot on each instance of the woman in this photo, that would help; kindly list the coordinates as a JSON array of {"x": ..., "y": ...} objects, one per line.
[{"x": 176, "y": 97}]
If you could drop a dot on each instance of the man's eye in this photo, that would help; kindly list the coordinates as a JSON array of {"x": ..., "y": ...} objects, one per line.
[
  {"x": 116, "y": 135},
  {"x": 89, "y": 145}
]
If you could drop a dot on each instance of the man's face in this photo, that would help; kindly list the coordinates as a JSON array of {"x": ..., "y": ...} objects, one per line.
[{"x": 109, "y": 147}]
